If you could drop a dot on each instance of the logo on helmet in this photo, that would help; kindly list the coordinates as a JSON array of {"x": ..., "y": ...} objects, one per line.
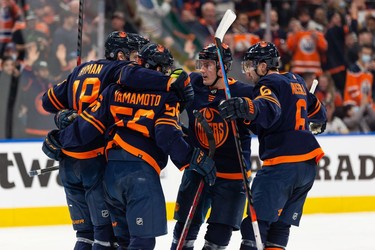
[{"x": 122, "y": 34}]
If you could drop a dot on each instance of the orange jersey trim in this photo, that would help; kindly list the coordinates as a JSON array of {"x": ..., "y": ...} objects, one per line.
[
  {"x": 185, "y": 166},
  {"x": 317, "y": 154},
  {"x": 233, "y": 176},
  {"x": 55, "y": 102},
  {"x": 317, "y": 108},
  {"x": 84, "y": 155},
  {"x": 165, "y": 121},
  {"x": 137, "y": 152},
  {"x": 269, "y": 98},
  {"x": 96, "y": 123}
]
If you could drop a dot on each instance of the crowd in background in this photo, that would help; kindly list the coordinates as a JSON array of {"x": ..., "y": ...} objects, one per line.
[{"x": 332, "y": 41}]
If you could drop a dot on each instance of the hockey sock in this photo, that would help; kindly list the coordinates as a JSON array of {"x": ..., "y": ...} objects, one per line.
[
  {"x": 85, "y": 239},
  {"x": 190, "y": 238},
  {"x": 211, "y": 246},
  {"x": 278, "y": 235},
  {"x": 103, "y": 237},
  {"x": 137, "y": 243},
  {"x": 218, "y": 234},
  {"x": 248, "y": 238}
]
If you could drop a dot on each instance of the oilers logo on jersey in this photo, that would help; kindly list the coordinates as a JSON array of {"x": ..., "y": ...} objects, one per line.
[{"x": 218, "y": 125}]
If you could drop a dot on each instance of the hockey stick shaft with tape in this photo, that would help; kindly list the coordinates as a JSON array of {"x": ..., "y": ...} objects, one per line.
[
  {"x": 80, "y": 27},
  {"x": 228, "y": 19},
  {"x": 212, "y": 147},
  {"x": 42, "y": 171}
]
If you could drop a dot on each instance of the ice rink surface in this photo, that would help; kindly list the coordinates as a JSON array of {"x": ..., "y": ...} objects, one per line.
[{"x": 354, "y": 231}]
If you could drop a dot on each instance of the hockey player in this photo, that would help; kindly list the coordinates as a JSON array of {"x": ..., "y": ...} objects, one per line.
[
  {"x": 227, "y": 197},
  {"x": 82, "y": 169},
  {"x": 141, "y": 130},
  {"x": 281, "y": 109}
]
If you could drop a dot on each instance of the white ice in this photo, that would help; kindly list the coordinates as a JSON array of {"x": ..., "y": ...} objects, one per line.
[{"x": 354, "y": 231}]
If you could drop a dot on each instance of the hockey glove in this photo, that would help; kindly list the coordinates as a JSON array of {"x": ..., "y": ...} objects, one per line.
[
  {"x": 204, "y": 166},
  {"x": 65, "y": 117},
  {"x": 238, "y": 107},
  {"x": 52, "y": 147},
  {"x": 317, "y": 128},
  {"x": 182, "y": 87}
]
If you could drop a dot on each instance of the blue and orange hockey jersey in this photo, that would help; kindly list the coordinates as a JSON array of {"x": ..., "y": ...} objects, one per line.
[
  {"x": 142, "y": 123},
  {"x": 206, "y": 101},
  {"x": 83, "y": 86},
  {"x": 285, "y": 107}
]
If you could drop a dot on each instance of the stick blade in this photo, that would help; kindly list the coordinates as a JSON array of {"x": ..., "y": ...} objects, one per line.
[{"x": 225, "y": 23}]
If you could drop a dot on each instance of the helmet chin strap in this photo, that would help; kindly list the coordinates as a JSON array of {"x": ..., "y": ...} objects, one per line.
[
  {"x": 217, "y": 78},
  {"x": 260, "y": 76}
]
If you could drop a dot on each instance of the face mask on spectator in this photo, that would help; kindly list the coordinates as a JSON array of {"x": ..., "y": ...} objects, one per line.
[{"x": 366, "y": 58}]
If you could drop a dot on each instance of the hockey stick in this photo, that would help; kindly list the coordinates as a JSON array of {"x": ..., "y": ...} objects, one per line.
[
  {"x": 313, "y": 86},
  {"x": 80, "y": 25},
  {"x": 33, "y": 173},
  {"x": 224, "y": 25},
  {"x": 211, "y": 147}
]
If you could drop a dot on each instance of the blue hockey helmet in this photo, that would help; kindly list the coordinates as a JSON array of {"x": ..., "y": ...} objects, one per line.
[
  {"x": 156, "y": 56},
  {"x": 210, "y": 53},
  {"x": 125, "y": 42},
  {"x": 262, "y": 52}
]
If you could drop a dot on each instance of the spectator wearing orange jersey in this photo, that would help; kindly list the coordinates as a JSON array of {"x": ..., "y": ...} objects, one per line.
[
  {"x": 10, "y": 17},
  {"x": 242, "y": 38},
  {"x": 359, "y": 79},
  {"x": 306, "y": 47}
]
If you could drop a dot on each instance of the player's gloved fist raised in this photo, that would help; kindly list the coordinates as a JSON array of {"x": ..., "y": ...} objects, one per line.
[
  {"x": 182, "y": 87},
  {"x": 52, "y": 147},
  {"x": 317, "y": 128},
  {"x": 204, "y": 166},
  {"x": 238, "y": 107},
  {"x": 65, "y": 117}
]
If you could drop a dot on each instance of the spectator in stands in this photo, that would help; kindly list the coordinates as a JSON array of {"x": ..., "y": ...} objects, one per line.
[
  {"x": 205, "y": 29},
  {"x": 222, "y": 6},
  {"x": 320, "y": 18},
  {"x": 151, "y": 14},
  {"x": 242, "y": 38},
  {"x": 118, "y": 21},
  {"x": 326, "y": 91},
  {"x": 30, "y": 118},
  {"x": 335, "y": 124},
  {"x": 335, "y": 57},
  {"x": 9, "y": 81},
  {"x": 351, "y": 47},
  {"x": 278, "y": 36},
  {"x": 359, "y": 79},
  {"x": 65, "y": 35},
  {"x": 306, "y": 46},
  {"x": 358, "y": 118},
  {"x": 253, "y": 8},
  {"x": 194, "y": 6},
  {"x": 26, "y": 32},
  {"x": 10, "y": 17}
]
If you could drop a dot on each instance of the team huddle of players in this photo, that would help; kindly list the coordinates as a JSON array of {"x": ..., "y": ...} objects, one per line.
[{"x": 118, "y": 123}]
